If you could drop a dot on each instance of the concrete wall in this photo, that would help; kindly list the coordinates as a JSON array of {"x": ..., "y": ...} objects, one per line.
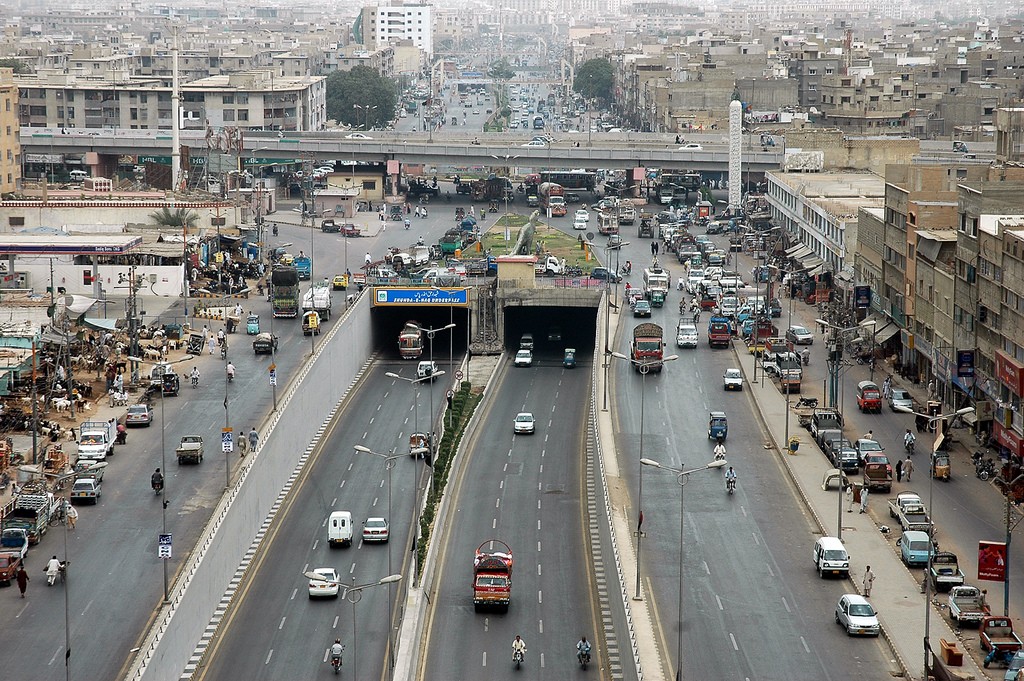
[
  {"x": 843, "y": 152},
  {"x": 29, "y": 214},
  {"x": 71, "y": 277},
  {"x": 310, "y": 401}
]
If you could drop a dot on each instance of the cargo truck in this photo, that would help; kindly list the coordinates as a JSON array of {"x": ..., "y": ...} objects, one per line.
[
  {"x": 656, "y": 285},
  {"x": 33, "y": 508},
  {"x": 492, "y": 576},
  {"x": 648, "y": 348},
  {"x": 552, "y": 199},
  {"x": 318, "y": 299},
  {"x": 96, "y": 439},
  {"x": 719, "y": 332},
  {"x": 410, "y": 340},
  {"x": 304, "y": 267},
  {"x": 285, "y": 282}
]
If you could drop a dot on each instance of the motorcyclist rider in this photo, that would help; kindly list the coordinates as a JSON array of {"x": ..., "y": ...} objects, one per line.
[
  {"x": 518, "y": 646},
  {"x": 195, "y": 376},
  {"x": 908, "y": 440},
  {"x": 157, "y": 480},
  {"x": 220, "y": 337},
  {"x": 231, "y": 371},
  {"x": 408, "y": 223},
  {"x": 582, "y": 648},
  {"x": 730, "y": 477},
  {"x": 419, "y": 241},
  {"x": 336, "y": 650},
  {"x": 720, "y": 451},
  {"x": 52, "y": 570}
]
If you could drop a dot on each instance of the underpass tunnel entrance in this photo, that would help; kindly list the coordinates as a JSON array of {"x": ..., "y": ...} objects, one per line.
[
  {"x": 554, "y": 329},
  {"x": 388, "y": 323}
]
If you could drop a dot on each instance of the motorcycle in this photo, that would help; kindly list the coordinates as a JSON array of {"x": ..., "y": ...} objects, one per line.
[
  {"x": 274, "y": 229},
  {"x": 730, "y": 485},
  {"x": 518, "y": 657},
  {"x": 908, "y": 445},
  {"x": 157, "y": 484},
  {"x": 195, "y": 382},
  {"x": 811, "y": 402},
  {"x": 806, "y": 357},
  {"x": 584, "y": 657},
  {"x": 336, "y": 664},
  {"x": 999, "y": 656},
  {"x": 224, "y": 351},
  {"x": 983, "y": 468}
]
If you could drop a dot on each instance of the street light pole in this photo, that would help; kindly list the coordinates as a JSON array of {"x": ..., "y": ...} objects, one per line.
[
  {"x": 430, "y": 337},
  {"x": 682, "y": 477},
  {"x": 644, "y": 368}
]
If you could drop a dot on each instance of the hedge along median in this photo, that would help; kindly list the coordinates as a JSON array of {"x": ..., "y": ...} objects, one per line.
[{"x": 458, "y": 414}]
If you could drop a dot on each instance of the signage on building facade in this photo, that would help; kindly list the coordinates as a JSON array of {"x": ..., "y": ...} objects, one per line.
[
  {"x": 965, "y": 363},
  {"x": 1009, "y": 372},
  {"x": 862, "y": 297}
]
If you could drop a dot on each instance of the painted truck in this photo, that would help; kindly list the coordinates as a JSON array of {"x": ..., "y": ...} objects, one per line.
[
  {"x": 304, "y": 266},
  {"x": 492, "y": 576},
  {"x": 719, "y": 332},
  {"x": 648, "y": 348},
  {"x": 285, "y": 298},
  {"x": 656, "y": 285},
  {"x": 410, "y": 340},
  {"x": 552, "y": 199}
]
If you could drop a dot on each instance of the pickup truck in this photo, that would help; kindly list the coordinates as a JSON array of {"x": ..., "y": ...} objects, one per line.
[
  {"x": 825, "y": 418},
  {"x": 14, "y": 539},
  {"x": 908, "y": 508},
  {"x": 10, "y": 561},
  {"x": 190, "y": 449},
  {"x": 967, "y": 605},
  {"x": 945, "y": 572},
  {"x": 997, "y": 632}
]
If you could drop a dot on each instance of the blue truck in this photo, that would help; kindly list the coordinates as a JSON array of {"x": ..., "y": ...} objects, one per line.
[{"x": 304, "y": 266}]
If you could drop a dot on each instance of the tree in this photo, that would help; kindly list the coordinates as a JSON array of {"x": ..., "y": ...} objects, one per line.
[
  {"x": 594, "y": 79},
  {"x": 360, "y": 97},
  {"x": 501, "y": 70},
  {"x": 18, "y": 66},
  {"x": 179, "y": 217}
]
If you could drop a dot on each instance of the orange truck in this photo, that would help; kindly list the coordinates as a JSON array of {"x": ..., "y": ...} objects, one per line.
[{"x": 492, "y": 575}]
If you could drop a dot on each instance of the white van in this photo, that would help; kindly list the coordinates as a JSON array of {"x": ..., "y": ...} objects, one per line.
[
  {"x": 831, "y": 558},
  {"x": 339, "y": 529},
  {"x": 78, "y": 175}
]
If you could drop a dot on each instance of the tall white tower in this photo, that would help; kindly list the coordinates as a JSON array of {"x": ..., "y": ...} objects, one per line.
[{"x": 735, "y": 151}]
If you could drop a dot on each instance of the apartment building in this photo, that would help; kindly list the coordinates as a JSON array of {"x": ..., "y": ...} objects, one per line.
[
  {"x": 379, "y": 26},
  {"x": 252, "y": 100},
  {"x": 10, "y": 144}
]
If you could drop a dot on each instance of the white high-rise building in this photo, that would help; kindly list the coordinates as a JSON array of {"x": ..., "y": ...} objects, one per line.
[{"x": 384, "y": 25}]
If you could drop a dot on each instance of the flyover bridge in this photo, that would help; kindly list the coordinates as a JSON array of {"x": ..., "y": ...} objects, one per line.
[{"x": 625, "y": 151}]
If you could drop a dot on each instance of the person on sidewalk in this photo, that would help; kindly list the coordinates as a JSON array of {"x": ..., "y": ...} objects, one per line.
[
  {"x": 72, "y": 515},
  {"x": 899, "y": 471},
  {"x": 22, "y": 579},
  {"x": 864, "y": 499},
  {"x": 869, "y": 580},
  {"x": 849, "y": 498},
  {"x": 908, "y": 467}
]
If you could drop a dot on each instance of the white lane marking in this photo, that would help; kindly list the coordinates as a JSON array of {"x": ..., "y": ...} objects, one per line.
[
  {"x": 406, "y": 421},
  {"x": 785, "y": 604},
  {"x": 386, "y": 394},
  {"x": 719, "y": 601},
  {"x": 540, "y": 626},
  {"x": 55, "y": 654},
  {"x": 538, "y": 504},
  {"x": 542, "y": 660},
  {"x": 541, "y": 471},
  {"x": 87, "y": 606},
  {"x": 550, "y": 421},
  {"x": 487, "y": 623},
  {"x": 743, "y": 510},
  {"x": 538, "y": 487},
  {"x": 294, "y": 593},
  {"x": 497, "y": 503},
  {"x": 538, "y": 546},
  {"x": 546, "y": 435},
  {"x": 756, "y": 540},
  {"x": 538, "y": 569},
  {"x": 540, "y": 596},
  {"x": 315, "y": 544},
  {"x": 494, "y": 524},
  {"x": 485, "y": 659},
  {"x": 510, "y": 449},
  {"x": 735, "y": 646},
  {"x": 335, "y": 625},
  {"x": 269, "y": 655},
  {"x": 281, "y": 625},
  {"x": 341, "y": 486},
  {"x": 374, "y": 501},
  {"x": 381, "y": 486},
  {"x": 365, "y": 433},
  {"x": 707, "y": 570},
  {"x": 504, "y": 468},
  {"x": 501, "y": 485},
  {"x": 807, "y": 648},
  {"x": 372, "y": 419},
  {"x": 538, "y": 528},
  {"x": 351, "y": 464},
  {"x": 552, "y": 409},
  {"x": 353, "y": 567},
  {"x": 379, "y": 406},
  {"x": 771, "y": 573}
]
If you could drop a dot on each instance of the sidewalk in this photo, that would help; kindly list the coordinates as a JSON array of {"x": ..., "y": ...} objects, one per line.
[{"x": 897, "y": 592}]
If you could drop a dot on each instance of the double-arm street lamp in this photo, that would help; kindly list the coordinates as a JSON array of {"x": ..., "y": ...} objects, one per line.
[
  {"x": 644, "y": 366},
  {"x": 834, "y": 347},
  {"x": 430, "y": 338},
  {"x": 682, "y": 477},
  {"x": 366, "y": 114},
  {"x": 936, "y": 443}
]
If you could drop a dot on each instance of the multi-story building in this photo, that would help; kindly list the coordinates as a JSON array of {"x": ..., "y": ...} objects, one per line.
[
  {"x": 10, "y": 144},
  {"x": 381, "y": 25},
  {"x": 252, "y": 100},
  {"x": 808, "y": 67}
]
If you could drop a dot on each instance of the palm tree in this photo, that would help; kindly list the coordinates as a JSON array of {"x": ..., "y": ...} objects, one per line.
[{"x": 179, "y": 217}]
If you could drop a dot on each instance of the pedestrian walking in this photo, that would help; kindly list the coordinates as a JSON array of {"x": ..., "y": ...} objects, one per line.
[
  {"x": 869, "y": 580},
  {"x": 211, "y": 344},
  {"x": 72, "y": 514},
  {"x": 864, "y": 499},
  {"x": 849, "y": 498},
  {"x": 899, "y": 471},
  {"x": 22, "y": 579},
  {"x": 908, "y": 467},
  {"x": 931, "y": 389},
  {"x": 254, "y": 439},
  {"x": 206, "y": 333}
]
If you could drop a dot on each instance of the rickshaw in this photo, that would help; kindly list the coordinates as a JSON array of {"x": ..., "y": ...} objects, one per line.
[
  {"x": 718, "y": 425},
  {"x": 252, "y": 325},
  {"x": 195, "y": 344},
  {"x": 941, "y": 469},
  {"x": 171, "y": 384},
  {"x": 569, "y": 358},
  {"x": 231, "y": 322},
  {"x": 417, "y": 445},
  {"x": 395, "y": 212}
]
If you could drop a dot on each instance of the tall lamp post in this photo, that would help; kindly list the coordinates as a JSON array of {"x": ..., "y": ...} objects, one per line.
[
  {"x": 682, "y": 477},
  {"x": 644, "y": 367},
  {"x": 834, "y": 346},
  {"x": 936, "y": 444},
  {"x": 390, "y": 460},
  {"x": 366, "y": 114},
  {"x": 1010, "y": 526},
  {"x": 430, "y": 337},
  {"x": 608, "y": 313}
]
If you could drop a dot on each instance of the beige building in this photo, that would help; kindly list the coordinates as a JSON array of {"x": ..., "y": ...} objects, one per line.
[{"x": 10, "y": 144}]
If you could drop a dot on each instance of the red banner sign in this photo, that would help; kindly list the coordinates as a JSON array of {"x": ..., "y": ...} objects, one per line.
[
  {"x": 1010, "y": 373},
  {"x": 992, "y": 561}
]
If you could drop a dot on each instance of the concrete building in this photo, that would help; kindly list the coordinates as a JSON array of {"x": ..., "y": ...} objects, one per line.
[
  {"x": 381, "y": 25},
  {"x": 10, "y": 141},
  {"x": 821, "y": 212}
]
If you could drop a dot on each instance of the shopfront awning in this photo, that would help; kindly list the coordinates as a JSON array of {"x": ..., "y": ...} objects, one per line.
[
  {"x": 884, "y": 328},
  {"x": 793, "y": 249},
  {"x": 886, "y": 332},
  {"x": 800, "y": 252},
  {"x": 816, "y": 270}
]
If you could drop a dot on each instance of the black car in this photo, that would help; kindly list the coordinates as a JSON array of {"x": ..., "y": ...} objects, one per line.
[
  {"x": 330, "y": 226},
  {"x": 604, "y": 273}
]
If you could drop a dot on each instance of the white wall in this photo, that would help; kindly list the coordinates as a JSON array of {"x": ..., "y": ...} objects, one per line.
[{"x": 70, "y": 276}]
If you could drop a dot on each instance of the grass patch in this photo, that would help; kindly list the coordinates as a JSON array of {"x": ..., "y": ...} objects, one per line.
[
  {"x": 562, "y": 245},
  {"x": 494, "y": 238}
]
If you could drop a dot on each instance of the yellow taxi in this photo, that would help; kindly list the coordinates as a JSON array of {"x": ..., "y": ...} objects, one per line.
[{"x": 340, "y": 282}]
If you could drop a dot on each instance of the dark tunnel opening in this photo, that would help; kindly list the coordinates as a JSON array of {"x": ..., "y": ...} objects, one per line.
[
  {"x": 389, "y": 321},
  {"x": 554, "y": 329}
]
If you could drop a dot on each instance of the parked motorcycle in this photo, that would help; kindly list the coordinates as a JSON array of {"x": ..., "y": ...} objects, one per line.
[
  {"x": 811, "y": 402},
  {"x": 983, "y": 468}
]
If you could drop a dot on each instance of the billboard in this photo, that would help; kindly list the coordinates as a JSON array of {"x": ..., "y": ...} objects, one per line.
[
  {"x": 421, "y": 296},
  {"x": 992, "y": 561}
]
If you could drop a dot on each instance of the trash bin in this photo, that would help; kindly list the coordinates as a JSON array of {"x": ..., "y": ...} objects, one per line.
[{"x": 794, "y": 444}]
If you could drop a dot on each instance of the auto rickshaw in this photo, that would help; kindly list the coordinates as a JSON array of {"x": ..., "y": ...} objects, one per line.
[
  {"x": 395, "y": 212},
  {"x": 171, "y": 384},
  {"x": 252, "y": 325},
  {"x": 941, "y": 469},
  {"x": 718, "y": 425},
  {"x": 569, "y": 358}
]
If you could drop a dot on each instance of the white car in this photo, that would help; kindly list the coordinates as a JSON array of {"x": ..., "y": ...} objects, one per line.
[
  {"x": 524, "y": 358},
  {"x": 583, "y": 214},
  {"x": 855, "y": 614},
  {"x": 799, "y": 335},
  {"x": 524, "y": 423},
  {"x": 327, "y": 586},
  {"x": 376, "y": 529},
  {"x": 691, "y": 147},
  {"x": 686, "y": 336},
  {"x": 426, "y": 370},
  {"x": 579, "y": 224},
  {"x": 358, "y": 136},
  {"x": 535, "y": 143},
  {"x": 733, "y": 379}
]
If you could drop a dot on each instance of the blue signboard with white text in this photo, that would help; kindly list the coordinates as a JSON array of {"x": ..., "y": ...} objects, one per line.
[{"x": 421, "y": 296}]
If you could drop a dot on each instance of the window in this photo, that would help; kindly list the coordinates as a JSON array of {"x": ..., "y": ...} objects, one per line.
[
  {"x": 16, "y": 221},
  {"x": 243, "y": 114},
  {"x": 229, "y": 115},
  {"x": 228, "y": 99}
]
